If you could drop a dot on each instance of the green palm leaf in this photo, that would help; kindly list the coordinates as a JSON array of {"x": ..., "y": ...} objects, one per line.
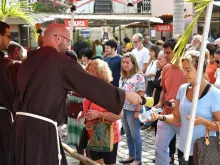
[
  {"x": 20, "y": 10},
  {"x": 180, "y": 47}
]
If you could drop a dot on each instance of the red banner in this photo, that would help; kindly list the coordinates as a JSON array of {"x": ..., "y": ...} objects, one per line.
[
  {"x": 77, "y": 23},
  {"x": 164, "y": 28}
]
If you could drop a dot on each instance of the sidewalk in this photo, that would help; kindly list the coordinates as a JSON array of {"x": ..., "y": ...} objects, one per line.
[{"x": 148, "y": 139}]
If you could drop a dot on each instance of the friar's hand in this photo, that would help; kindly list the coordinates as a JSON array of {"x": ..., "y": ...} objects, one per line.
[{"x": 133, "y": 98}]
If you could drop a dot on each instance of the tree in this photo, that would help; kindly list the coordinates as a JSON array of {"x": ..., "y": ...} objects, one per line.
[
  {"x": 180, "y": 47},
  {"x": 178, "y": 17},
  {"x": 47, "y": 6},
  {"x": 17, "y": 9}
]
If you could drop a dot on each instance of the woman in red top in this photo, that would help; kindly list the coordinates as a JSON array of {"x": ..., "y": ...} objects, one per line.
[
  {"x": 211, "y": 67},
  {"x": 93, "y": 112}
]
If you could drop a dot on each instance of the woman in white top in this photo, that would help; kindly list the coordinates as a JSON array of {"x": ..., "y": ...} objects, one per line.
[
  {"x": 208, "y": 108},
  {"x": 132, "y": 80},
  {"x": 151, "y": 69}
]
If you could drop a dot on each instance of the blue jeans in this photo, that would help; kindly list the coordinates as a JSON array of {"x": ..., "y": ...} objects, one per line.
[
  {"x": 132, "y": 131},
  {"x": 165, "y": 133}
]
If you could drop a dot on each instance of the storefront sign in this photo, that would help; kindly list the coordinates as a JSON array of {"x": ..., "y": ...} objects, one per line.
[
  {"x": 164, "y": 28},
  {"x": 77, "y": 22}
]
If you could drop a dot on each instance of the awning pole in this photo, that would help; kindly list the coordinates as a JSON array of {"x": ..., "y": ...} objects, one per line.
[
  {"x": 198, "y": 80},
  {"x": 149, "y": 30},
  {"x": 120, "y": 34},
  {"x": 73, "y": 9}
]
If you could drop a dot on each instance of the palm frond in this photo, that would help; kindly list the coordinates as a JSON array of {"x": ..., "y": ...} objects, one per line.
[
  {"x": 3, "y": 6},
  {"x": 20, "y": 10},
  {"x": 180, "y": 47}
]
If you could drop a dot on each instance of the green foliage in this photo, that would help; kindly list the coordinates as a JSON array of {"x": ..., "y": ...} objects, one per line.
[
  {"x": 180, "y": 47},
  {"x": 48, "y": 8},
  {"x": 17, "y": 9},
  {"x": 88, "y": 42}
]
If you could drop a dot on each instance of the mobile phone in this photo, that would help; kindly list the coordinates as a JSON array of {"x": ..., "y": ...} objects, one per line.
[{"x": 168, "y": 103}]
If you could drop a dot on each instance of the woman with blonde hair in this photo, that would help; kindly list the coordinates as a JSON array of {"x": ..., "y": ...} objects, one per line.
[
  {"x": 208, "y": 108},
  {"x": 132, "y": 80},
  {"x": 93, "y": 113}
]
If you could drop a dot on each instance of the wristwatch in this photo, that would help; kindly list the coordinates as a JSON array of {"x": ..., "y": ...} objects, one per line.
[{"x": 163, "y": 118}]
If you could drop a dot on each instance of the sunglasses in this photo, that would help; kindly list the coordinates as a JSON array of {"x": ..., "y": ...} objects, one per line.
[{"x": 217, "y": 61}]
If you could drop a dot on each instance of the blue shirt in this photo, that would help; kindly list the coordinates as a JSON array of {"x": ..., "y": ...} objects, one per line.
[
  {"x": 206, "y": 106},
  {"x": 114, "y": 64}
]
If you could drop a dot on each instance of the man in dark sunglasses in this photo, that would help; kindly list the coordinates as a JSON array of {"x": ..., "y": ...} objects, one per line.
[
  {"x": 5, "y": 98},
  {"x": 217, "y": 72}
]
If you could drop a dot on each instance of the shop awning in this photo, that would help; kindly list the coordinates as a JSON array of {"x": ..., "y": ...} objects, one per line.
[
  {"x": 96, "y": 20},
  {"x": 168, "y": 18},
  {"x": 216, "y": 3}
]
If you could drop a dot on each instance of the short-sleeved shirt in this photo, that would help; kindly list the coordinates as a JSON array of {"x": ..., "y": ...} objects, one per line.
[
  {"x": 172, "y": 78},
  {"x": 142, "y": 56},
  {"x": 206, "y": 106},
  {"x": 99, "y": 50},
  {"x": 217, "y": 76},
  {"x": 210, "y": 71},
  {"x": 114, "y": 64},
  {"x": 129, "y": 46},
  {"x": 134, "y": 84}
]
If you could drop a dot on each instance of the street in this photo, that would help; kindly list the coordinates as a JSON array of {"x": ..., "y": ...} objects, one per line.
[{"x": 148, "y": 139}]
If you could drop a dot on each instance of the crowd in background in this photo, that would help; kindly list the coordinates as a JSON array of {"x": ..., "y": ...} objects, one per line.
[{"x": 145, "y": 68}]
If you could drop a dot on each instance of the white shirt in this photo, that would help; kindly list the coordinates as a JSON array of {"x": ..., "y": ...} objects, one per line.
[
  {"x": 217, "y": 76},
  {"x": 151, "y": 69},
  {"x": 142, "y": 56}
]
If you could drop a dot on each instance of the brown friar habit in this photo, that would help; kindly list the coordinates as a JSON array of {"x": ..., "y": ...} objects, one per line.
[
  {"x": 6, "y": 96},
  {"x": 43, "y": 82},
  {"x": 12, "y": 67}
]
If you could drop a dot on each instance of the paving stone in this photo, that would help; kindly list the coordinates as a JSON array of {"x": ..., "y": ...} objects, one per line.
[{"x": 148, "y": 142}]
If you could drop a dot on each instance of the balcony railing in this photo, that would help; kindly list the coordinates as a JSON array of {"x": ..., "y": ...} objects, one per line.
[
  {"x": 103, "y": 6},
  {"x": 144, "y": 6}
]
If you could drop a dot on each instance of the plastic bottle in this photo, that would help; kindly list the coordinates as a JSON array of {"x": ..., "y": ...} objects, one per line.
[{"x": 146, "y": 114}]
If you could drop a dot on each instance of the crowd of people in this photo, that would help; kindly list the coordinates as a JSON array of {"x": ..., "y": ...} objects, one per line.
[
  {"x": 98, "y": 84},
  {"x": 146, "y": 68},
  {"x": 32, "y": 111}
]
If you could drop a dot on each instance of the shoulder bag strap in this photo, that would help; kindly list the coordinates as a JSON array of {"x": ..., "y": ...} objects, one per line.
[{"x": 207, "y": 134}]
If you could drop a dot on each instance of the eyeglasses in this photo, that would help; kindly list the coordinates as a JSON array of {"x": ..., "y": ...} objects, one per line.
[
  {"x": 68, "y": 40},
  {"x": 135, "y": 42},
  {"x": 217, "y": 61}
]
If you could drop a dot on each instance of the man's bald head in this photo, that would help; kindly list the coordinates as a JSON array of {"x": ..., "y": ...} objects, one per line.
[
  {"x": 57, "y": 36},
  {"x": 15, "y": 51}
]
